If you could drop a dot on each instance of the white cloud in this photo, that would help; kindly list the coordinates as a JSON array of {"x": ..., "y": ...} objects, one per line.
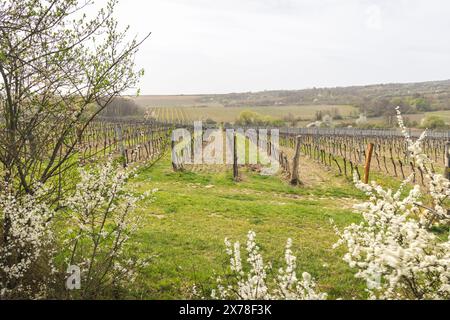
[{"x": 241, "y": 45}]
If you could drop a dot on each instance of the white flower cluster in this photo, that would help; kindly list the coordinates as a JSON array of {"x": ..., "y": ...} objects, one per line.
[
  {"x": 96, "y": 225},
  {"x": 101, "y": 223},
  {"x": 254, "y": 285},
  {"x": 394, "y": 248},
  {"x": 27, "y": 237}
]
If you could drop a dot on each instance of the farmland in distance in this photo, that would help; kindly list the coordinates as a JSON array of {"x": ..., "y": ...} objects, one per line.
[{"x": 192, "y": 108}]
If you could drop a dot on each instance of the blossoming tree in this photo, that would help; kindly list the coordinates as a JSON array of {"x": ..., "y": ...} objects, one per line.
[{"x": 61, "y": 63}]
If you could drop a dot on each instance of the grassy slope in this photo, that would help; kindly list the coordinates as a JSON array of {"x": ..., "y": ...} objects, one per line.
[{"x": 185, "y": 227}]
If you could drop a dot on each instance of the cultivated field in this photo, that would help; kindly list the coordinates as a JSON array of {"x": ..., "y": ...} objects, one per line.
[
  {"x": 230, "y": 114},
  {"x": 191, "y": 108},
  {"x": 182, "y": 232},
  {"x": 197, "y": 207},
  {"x": 194, "y": 211},
  {"x": 188, "y": 108}
]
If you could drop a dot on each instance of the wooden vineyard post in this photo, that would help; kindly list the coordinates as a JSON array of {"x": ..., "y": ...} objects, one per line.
[
  {"x": 235, "y": 158},
  {"x": 286, "y": 164},
  {"x": 174, "y": 156},
  {"x": 295, "y": 178},
  {"x": 121, "y": 145},
  {"x": 447, "y": 160},
  {"x": 368, "y": 162}
]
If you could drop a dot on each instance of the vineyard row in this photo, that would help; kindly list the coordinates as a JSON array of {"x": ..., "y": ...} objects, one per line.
[
  {"x": 347, "y": 154},
  {"x": 132, "y": 142}
]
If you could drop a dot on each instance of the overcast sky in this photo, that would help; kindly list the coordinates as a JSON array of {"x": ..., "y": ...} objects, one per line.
[{"x": 212, "y": 46}]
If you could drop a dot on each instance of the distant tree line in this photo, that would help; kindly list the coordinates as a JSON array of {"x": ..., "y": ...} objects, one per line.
[
  {"x": 121, "y": 107},
  {"x": 375, "y": 100},
  {"x": 382, "y": 106},
  {"x": 251, "y": 118}
]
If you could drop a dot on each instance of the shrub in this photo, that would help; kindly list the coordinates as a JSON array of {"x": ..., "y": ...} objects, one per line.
[
  {"x": 251, "y": 118},
  {"x": 433, "y": 122},
  {"x": 255, "y": 283},
  {"x": 100, "y": 223},
  {"x": 26, "y": 247},
  {"x": 394, "y": 248}
]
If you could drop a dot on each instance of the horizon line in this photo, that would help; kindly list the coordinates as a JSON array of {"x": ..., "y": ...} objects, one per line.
[{"x": 301, "y": 89}]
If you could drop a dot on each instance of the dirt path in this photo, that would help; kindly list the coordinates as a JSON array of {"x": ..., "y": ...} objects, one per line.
[{"x": 313, "y": 173}]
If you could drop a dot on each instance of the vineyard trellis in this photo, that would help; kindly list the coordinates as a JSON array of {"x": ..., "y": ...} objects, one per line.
[
  {"x": 133, "y": 141},
  {"x": 342, "y": 150},
  {"x": 346, "y": 151}
]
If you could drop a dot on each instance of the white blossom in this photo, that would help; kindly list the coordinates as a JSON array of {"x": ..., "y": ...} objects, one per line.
[
  {"x": 254, "y": 283},
  {"x": 27, "y": 239},
  {"x": 394, "y": 248},
  {"x": 102, "y": 216}
]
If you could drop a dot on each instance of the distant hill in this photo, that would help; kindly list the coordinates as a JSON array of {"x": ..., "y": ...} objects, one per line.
[
  {"x": 373, "y": 100},
  {"x": 425, "y": 96}
]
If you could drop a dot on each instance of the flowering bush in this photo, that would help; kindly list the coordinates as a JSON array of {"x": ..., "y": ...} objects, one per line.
[
  {"x": 101, "y": 222},
  {"x": 394, "y": 248},
  {"x": 253, "y": 284},
  {"x": 26, "y": 240}
]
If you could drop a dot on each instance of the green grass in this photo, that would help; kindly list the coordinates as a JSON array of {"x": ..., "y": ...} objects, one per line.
[{"x": 184, "y": 229}]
